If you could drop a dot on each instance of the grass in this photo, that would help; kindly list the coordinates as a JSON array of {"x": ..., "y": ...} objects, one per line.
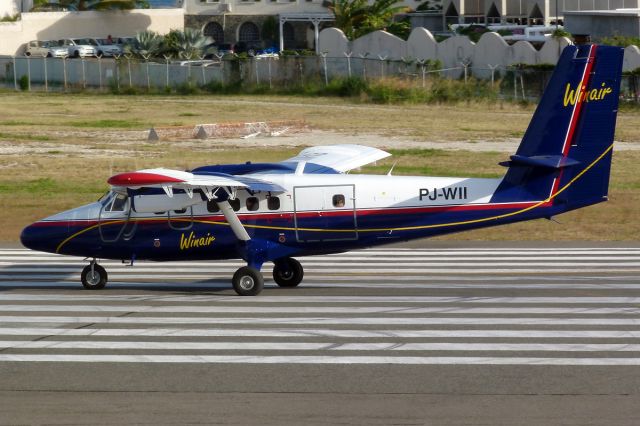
[
  {"x": 107, "y": 124},
  {"x": 37, "y": 185},
  {"x": 26, "y": 137},
  {"x": 467, "y": 121}
]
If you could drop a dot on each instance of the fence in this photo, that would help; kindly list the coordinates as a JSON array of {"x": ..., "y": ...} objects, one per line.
[{"x": 57, "y": 74}]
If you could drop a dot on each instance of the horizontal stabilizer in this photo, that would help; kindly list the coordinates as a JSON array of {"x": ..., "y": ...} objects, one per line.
[{"x": 548, "y": 161}]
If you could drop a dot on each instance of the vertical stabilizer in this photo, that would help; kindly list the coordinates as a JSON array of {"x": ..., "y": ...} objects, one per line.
[{"x": 565, "y": 154}]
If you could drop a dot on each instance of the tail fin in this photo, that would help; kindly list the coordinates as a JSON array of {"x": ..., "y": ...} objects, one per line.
[{"x": 565, "y": 155}]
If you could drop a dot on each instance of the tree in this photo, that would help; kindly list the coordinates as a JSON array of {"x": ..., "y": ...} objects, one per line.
[
  {"x": 356, "y": 18},
  {"x": 349, "y": 15},
  {"x": 146, "y": 44},
  {"x": 80, "y": 5},
  {"x": 189, "y": 44}
]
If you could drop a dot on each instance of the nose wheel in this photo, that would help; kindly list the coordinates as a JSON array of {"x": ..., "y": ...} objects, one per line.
[{"x": 94, "y": 276}]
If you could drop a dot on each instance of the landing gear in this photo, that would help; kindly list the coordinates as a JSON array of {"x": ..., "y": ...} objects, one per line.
[
  {"x": 94, "y": 276},
  {"x": 248, "y": 281},
  {"x": 287, "y": 272}
]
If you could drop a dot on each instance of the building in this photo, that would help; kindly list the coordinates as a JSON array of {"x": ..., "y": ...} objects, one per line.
[
  {"x": 604, "y": 23},
  {"x": 13, "y": 7},
  {"x": 524, "y": 12},
  {"x": 287, "y": 24}
]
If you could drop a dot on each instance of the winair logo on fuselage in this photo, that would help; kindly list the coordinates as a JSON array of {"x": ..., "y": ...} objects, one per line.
[
  {"x": 193, "y": 241},
  {"x": 576, "y": 95}
]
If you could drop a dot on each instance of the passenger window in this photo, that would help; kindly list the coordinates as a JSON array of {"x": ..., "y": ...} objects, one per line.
[
  {"x": 181, "y": 211},
  {"x": 119, "y": 203},
  {"x": 338, "y": 200},
  {"x": 212, "y": 206},
  {"x": 273, "y": 203},
  {"x": 252, "y": 204},
  {"x": 235, "y": 204},
  {"x": 159, "y": 213}
]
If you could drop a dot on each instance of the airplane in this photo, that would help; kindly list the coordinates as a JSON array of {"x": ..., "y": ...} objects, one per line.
[{"x": 311, "y": 205}]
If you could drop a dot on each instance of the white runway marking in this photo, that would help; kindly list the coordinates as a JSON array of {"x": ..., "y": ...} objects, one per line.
[
  {"x": 323, "y": 333},
  {"x": 300, "y": 359},
  {"x": 575, "y": 306},
  {"x": 288, "y": 346},
  {"x": 387, "y": 310},
  {"x": 378, "y": 321}
]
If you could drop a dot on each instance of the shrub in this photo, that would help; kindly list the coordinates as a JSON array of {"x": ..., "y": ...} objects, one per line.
[
  {"x": 23, "y": 82},
  {"x": 621, "y": 41},
  {"x": 346, "y": 87}
]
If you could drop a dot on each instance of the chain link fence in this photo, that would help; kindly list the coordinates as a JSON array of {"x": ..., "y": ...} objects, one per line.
[{"x": 283, "y": 72}]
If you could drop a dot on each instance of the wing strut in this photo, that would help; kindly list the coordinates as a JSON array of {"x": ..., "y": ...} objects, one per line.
[{"x": 234, "y": 222}]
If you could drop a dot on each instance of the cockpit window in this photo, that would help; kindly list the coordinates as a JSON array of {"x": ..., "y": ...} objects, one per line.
[
  {"x": 119, "y": 203},
  {"x": 106, "y": 196}
]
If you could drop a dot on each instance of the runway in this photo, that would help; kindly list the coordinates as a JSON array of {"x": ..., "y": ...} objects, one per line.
[{"x": 448, "y": 335}]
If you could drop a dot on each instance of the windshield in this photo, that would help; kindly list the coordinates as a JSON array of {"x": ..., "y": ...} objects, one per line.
[
  {"x": 114, "y": 202},
  {"x": 103, "y": 199}
]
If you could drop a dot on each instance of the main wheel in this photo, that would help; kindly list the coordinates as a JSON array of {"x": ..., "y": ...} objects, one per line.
[
  {"x": 288, "y": 272},
  {"x": 248, "y": 281},
  {"x": 94, "y": 279}
]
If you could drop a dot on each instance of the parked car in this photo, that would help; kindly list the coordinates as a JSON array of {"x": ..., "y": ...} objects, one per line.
[
  {"x": 78, "y": 47},
  {"x": 218, "y": 50},
  {"x": 126, "y": 43},
  {"x": 105, "y": 47},
  {"x": 198, "y": 63},
  {"x": 45, "y": 48}
]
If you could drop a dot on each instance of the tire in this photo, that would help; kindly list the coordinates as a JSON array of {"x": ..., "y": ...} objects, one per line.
[
  {"x": 97, "y": 281},
  {"x": 248, "y": 281},
  {"x": 99, "y": 54},
  {"x": 76, "y": 54},
  {"x": 288, "y": 272},
  {"x": 27, "y": 53}
]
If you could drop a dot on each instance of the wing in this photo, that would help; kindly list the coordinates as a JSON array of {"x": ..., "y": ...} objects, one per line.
[
  {"x": 208, "y": 182},
  {"x": 341, "y": 158}
]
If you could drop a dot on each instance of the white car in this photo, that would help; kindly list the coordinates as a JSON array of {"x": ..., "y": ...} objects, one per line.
[
  {"x": 45, "y": 48},
  {"x": 78, "y": 47},
  {"x": 105, "y": 48}
]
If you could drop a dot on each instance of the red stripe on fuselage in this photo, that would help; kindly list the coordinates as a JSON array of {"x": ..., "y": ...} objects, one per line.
[{"x": 313, "y": 214}]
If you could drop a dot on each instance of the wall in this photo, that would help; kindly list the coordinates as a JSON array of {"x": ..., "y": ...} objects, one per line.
[
  {"x": 55, "y": 25},
  {"x": 490, "y": 51}
]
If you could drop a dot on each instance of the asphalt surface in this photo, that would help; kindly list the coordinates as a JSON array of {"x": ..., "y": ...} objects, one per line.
[{"x": 450, "y": 335}]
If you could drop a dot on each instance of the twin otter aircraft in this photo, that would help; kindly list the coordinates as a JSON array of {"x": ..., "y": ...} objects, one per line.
[{"x": 309, "y": 205}]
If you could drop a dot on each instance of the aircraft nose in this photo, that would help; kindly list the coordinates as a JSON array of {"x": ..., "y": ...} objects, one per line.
[{"x": 40, "y": 238}]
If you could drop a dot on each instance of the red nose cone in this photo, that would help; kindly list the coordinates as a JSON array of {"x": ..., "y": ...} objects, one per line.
[{"x": 140, "y": 179}]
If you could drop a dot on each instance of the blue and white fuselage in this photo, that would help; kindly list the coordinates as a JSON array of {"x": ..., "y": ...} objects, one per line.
[{"x": 309, "y": 204}]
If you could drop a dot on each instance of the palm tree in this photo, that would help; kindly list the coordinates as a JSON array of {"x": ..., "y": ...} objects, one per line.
[
  {"x": 356, "y": 18},
  {"x": 349, "y": 15},
  {"x": 189, "y": 44},
  {"x": 380, "y": 14},
  {"x": 146, "y": 44},
  {"x": 80, "y": 5}
]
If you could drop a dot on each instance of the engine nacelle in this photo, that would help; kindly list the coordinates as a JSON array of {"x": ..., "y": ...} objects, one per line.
[{"x": 154, "y": 203}]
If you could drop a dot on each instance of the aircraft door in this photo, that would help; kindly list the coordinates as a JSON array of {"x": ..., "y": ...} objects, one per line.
[
  {"x": 114, "y": 222},
  {"x": 325, "y": 213}
]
